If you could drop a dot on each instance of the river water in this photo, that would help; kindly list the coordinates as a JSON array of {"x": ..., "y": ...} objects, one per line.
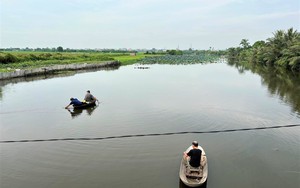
[{"x": 163, "y": 98}]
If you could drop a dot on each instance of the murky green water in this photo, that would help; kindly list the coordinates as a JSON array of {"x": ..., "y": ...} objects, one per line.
[{"x": 161, "y": 99}]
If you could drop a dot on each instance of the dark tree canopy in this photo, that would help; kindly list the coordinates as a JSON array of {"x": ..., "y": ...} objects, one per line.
[
  {"x": 60, "y": 49},
  {"x": 282, "y": 50}
]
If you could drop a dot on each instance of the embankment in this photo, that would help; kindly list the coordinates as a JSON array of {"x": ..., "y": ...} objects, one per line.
[{"x": 56, "y": 68}]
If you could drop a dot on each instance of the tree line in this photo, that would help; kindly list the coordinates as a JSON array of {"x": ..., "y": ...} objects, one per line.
[
  {"x": 281, "y": 50},
  {"x": 61, "y": 49}
]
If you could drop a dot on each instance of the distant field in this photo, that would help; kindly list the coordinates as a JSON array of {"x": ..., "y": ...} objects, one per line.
[{"x": 28, "y": 60}]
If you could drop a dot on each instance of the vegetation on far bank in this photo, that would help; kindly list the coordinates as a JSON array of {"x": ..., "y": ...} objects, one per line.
[
  {"x": 28, "y": 60},
  {"x": 281, "y": 50},
  {"x": 185, "y": 57},
  {"x": 180, "y": 59},
  {"x": 11, "y": 60}
]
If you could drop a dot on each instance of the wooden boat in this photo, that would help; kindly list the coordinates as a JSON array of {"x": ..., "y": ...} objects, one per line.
[
  {"x": 86, "y": 105},
  {"x": 194, "y": 177}
]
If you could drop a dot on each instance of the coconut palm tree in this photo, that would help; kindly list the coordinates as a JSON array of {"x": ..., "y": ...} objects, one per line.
[{"x": 245, "y": 44}]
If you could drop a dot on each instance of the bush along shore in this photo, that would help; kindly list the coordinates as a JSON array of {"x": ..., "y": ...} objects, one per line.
[
  {"x": 29, "y": 60},
  {"x": 25, "y": 63},
  {"x": 21, "y": 63},
  {"x": 281, "y": 50}
]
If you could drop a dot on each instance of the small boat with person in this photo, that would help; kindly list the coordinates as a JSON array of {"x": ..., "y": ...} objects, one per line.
[
  {"x": 89, "y": 101},
  {"x": 194, "y": 176},
  {"x": 86, "y": 105}
]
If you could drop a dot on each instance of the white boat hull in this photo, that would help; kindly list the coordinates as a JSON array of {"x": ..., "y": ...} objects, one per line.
[{"x": 194, "y": 182}]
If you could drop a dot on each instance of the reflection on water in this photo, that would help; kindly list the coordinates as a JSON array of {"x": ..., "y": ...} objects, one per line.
[
  {"x": 162, "y": 99},
  {"x": 76, "y": 112},
  {"x": 280, "y": 82}
]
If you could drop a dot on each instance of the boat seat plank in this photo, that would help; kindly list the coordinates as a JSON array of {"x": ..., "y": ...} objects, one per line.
[
  {"x": 194, "y": 169},
  {"x": 194, "y": 175}
]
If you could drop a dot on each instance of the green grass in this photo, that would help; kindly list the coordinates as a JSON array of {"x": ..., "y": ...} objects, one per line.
[
  {"x": 128, "y": 60},
  {"x": 31, "y": 60}
]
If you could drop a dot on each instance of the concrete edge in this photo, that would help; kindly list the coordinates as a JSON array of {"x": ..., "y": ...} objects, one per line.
[{"x": 56, "y": 68}]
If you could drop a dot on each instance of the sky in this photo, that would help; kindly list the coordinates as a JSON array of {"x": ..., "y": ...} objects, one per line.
[{"x": 136, "y": 24}]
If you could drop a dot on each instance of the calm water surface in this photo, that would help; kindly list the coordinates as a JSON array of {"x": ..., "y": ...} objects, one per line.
[{"x": 164, "y": 98}]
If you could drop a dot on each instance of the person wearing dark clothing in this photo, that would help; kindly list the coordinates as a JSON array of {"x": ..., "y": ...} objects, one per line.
[
  {"x": 74, "y": 102},
  {"x": 194, "y": 155}
]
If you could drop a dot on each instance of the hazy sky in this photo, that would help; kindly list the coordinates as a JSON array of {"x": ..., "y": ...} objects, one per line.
[{"x": 143, "y": 23}]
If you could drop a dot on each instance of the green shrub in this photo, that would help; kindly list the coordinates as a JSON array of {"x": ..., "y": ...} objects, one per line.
[{"x": 8, "y": 58}]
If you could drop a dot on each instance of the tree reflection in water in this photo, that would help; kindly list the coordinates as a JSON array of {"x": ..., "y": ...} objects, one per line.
[{"x": 279, "y": 81}]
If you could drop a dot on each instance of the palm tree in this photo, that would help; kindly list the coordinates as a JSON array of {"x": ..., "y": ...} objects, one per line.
[
  {"x": 291, "y": 35},
  {"x": 274, "y": 47},
  {"x": 283, "y": 49},
  {"x": 245, "y": 44},
  {"x": 291, "y": 54}
]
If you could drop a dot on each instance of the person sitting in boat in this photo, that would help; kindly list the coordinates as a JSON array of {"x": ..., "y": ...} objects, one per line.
[
  {"x": 194, "y": 155},
  {"x": 89, "y": 97},
  {"x": 74, "y": 102}
]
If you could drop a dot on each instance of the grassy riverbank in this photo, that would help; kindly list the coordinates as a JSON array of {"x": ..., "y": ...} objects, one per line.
[
  {"x": 10, "y": 61},
  {"x": 29, "y": 60}
]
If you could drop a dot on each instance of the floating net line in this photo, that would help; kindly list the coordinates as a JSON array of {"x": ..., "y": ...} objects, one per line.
[{"x": 148, "y": 135}]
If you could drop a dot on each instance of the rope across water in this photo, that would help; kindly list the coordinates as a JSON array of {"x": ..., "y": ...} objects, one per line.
[{"x": 151, "y": 134}]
